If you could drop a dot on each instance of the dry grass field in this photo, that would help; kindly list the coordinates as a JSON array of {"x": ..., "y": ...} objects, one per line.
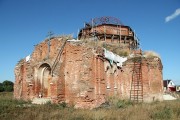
[{"x": 11, "y": 109}]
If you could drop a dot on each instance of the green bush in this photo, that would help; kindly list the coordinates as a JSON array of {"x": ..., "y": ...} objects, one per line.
[
  {"x": 1, "y": 87},
  {"x": 115, "y": 102},
  {"x": 8, "y": 86},
  {"x": 62, "y": 105},
  {"x": 123, "y": 103}
]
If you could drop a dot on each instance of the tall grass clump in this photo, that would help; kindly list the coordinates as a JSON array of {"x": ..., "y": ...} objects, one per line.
[
  {"x": 115, "y": 102},
  {"x": 163, "y": 114}
]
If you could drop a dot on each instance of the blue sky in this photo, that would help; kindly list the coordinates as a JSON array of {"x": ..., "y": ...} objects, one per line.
[{"x": 24, "y": 23}]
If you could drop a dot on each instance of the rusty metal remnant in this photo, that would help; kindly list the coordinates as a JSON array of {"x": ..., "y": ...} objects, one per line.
[{"x": 106, "y": 20}]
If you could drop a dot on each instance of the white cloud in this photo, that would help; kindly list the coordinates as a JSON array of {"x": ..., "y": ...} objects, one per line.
[{"x": 173, "y": 16}]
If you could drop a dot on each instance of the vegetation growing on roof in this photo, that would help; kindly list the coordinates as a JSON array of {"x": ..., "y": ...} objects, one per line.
[
  {"x": 20, "y": 61},
  {"x": 150, "y": 54},
  {"x": 69, "y": 36},
  {"x": 115, "y": 48},
  {"x": 64, "y": 37},
  {"x": 136, "y": 59}
]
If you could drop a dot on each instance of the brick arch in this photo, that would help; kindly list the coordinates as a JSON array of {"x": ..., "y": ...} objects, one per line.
[{"x": 43, "y": 80}]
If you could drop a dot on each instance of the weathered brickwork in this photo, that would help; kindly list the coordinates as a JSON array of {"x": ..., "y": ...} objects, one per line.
[{"x": 79, "y": 74}]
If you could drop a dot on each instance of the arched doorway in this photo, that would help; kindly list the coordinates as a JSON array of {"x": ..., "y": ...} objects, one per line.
[{"x": 44, "y": 77}]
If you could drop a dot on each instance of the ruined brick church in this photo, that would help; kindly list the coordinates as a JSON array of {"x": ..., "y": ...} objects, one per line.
[{"x": 104, "y": 61}]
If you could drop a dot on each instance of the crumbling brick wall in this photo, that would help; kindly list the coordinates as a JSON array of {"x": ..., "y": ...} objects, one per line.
[
  {"x": 152, "y": 79},
  {"x": 82, "y": 76}
]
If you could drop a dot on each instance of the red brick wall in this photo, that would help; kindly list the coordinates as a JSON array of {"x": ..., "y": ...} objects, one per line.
[{"x": 83, "y": 77}]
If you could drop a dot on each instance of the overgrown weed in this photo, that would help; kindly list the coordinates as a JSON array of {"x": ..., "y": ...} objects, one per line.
[{"x": 114, "y": 109}]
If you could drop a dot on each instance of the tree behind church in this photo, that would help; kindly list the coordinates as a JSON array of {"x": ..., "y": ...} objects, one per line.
[{"x": 6, "y": 86}]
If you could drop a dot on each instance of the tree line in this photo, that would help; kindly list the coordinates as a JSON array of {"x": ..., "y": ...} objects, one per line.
[{"x": 6, "y": 86}]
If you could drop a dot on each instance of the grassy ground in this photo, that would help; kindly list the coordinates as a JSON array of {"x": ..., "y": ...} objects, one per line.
[{"x": 11, "y": 109}]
